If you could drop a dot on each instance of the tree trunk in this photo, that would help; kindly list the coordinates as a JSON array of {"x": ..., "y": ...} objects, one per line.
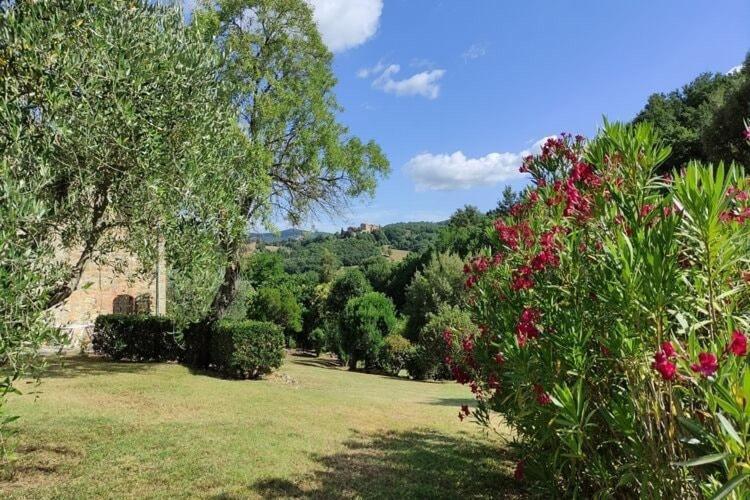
[{"x": 227, "y": 290}]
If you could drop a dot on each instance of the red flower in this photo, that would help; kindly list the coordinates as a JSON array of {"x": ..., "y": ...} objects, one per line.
[
  {"x": 519, "y": 474},
  {"x": 467, "y": 344},
  {"x": 646, "y": 209},
  {"x": 522, "y": 279},
  {"x": 738, "y": 344},
  {"x": 666, "y": 368},
  {"x": 499, "y": 359},
  {"x": 541, "y": 395},
  {"x": 707, "y": 364},
  {"x": 447, "y": 336},
  {"x": 668, "y": 349}
]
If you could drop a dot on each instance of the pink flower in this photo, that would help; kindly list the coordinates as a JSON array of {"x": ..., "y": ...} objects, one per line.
[
  {"x": 666, "y": 368},
  {"x": 738, "y": 344},
  {"x": 746, "y": 134},
  {"x": 668, "y": 349},
  {"x": 707, "y": 364}
]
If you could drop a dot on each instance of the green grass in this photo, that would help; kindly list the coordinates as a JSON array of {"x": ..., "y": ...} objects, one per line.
[{"x": 113, "y": 430}]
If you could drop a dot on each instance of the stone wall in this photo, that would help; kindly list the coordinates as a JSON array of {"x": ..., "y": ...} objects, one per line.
[{"x": 105, "y": 289}]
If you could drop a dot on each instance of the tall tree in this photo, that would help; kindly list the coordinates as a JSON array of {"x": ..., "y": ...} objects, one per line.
[{"x": 282, "y": 83}]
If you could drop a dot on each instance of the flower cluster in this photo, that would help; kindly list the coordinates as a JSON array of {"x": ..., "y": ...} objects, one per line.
[
  {"x": 526, "y": 328},
  {"x": 707, "y": 363}
]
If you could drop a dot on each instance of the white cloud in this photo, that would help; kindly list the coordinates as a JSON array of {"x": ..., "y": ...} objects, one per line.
[
  {"x": 346, "y": 23},
  {"x": 343, "y": 24},
  {"x": 441, "y": 172},
  {"x": 735, "y": 70},
  {"x": 367, "y": 72},
  {"x": 475, "y": 51},
  {"x": 425, "y": 83}
]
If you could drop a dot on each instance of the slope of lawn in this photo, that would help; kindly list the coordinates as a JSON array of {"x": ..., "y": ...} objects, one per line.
[{"x": 109, "y": 430}]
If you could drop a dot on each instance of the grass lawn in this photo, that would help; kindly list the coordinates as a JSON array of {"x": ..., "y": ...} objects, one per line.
[{"x": 110, "y": 430}]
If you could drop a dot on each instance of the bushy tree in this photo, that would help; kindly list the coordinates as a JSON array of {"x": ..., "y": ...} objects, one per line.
[
  {"x": 364, "y": 323},
  {"x": 439, "y": 283},
  {"x": 277, "y": 304},
  {"x": 378, "y": 271},
  {"x": 348, "y": 285},
  {"x": 115, "y": 131}
]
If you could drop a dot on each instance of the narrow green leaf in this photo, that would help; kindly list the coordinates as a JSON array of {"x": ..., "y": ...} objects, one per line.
[
  {"x": 731, "y": 485},
  {"x": 706, "y": 459}
]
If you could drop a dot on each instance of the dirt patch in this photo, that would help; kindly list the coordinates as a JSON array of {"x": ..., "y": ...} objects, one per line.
[{"x": 36, "y": 465}]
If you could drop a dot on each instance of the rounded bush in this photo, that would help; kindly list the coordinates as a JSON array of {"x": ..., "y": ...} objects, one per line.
[
  {"x": 246, "y": 349},
  {"x": 365, "y": 321}
]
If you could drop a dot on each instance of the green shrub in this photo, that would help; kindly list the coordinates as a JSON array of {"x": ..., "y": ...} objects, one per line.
[
  {"x": 365, "y": 321},
  {"x": 135, "y": 338},
  {"x": 395, "y": 353},
  {"x": 246, "y": 349},
  {"x": 196, "y": 344},
  {"x": 318, "y": 340}
]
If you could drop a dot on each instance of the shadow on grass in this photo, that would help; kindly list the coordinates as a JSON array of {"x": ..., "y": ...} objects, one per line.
[
  {"x": 457, "y": 402},
  {"x": 69, "y": 367},
  {"x": 413, "y": 464}
]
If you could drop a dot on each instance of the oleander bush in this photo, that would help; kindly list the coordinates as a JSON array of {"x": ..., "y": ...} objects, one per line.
[
  {"x": 612, "y": 308},
  {"x": 245, "y": 349},
  {"x": 440, "y": 340},
  {"x": 135, "y": 337}
]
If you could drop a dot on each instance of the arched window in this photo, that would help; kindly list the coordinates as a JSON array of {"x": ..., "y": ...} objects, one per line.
[{"x": 123, "y": 304}]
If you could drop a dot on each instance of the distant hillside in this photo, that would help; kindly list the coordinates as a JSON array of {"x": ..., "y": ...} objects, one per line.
[
  {"x": 412, "y": 236},
  {"x": 285, "y": 235}
]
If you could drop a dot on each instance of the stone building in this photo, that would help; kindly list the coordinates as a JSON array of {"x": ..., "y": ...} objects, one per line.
[{"x": 111, "y": 288}]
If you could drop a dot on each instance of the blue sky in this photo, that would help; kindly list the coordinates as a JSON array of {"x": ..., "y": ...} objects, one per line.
[{"x": 454, "y": 91}]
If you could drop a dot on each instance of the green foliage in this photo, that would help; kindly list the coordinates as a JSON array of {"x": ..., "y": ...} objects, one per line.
[
  {"x": 348, "y": 285},
  {"x": 280, "y": 78},
  {"x": 135, "y": 338},
  {"x": 683, "y": 116},
  {"x": 395, "y": 353},
  {"x": 723, "y": 139},
  {"x": 326, "y": 254},
  {"x": 439, "y": 283},
  {"x": 411, "y": 236},
  {"x": 364, "y": 323},
  {"x": 464, "y": 233},
  {"x": 277, "y": 305},
  {"x": 246, "y": 349},
  {"x": 262, "y": 268},
  {"x": 378, "y": 272}
]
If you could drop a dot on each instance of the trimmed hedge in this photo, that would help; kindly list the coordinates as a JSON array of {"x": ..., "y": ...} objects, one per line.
[
  {"x": 246, "y": 349},
  {"x": 135, "y": 337}
]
